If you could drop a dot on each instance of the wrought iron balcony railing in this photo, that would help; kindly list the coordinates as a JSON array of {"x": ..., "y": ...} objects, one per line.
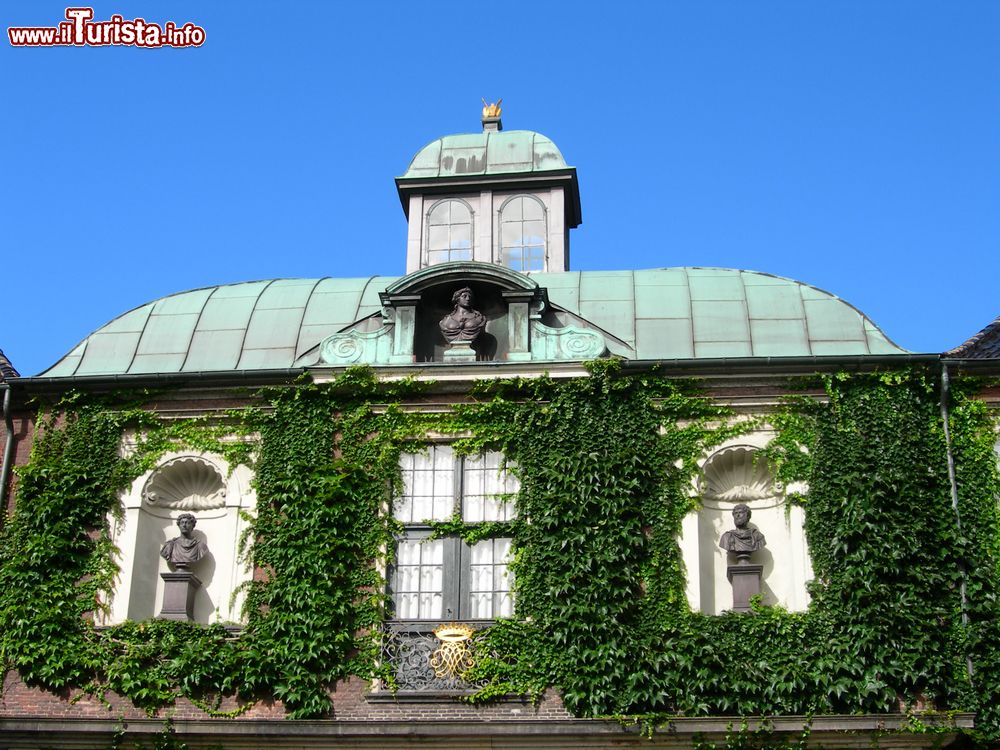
[{"x": 428, "y": 656}]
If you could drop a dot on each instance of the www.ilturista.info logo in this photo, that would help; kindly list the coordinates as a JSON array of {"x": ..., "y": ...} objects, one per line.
[{"x": 80, "y": 30}]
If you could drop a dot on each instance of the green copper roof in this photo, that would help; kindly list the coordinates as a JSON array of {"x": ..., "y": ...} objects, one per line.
[
  {"x": 668, "y": 313},
  {"x": 486, "y": 153}
]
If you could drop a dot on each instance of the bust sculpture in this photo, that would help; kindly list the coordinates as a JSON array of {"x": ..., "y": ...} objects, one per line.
[
  {"x": 185, "y": 549},
  {"x": 462, "y": 324},
  {"x": 743, "y": 539}
]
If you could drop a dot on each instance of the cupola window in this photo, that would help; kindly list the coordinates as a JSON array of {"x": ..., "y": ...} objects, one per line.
[
  {"x": 522, "y": 234},
  {"x": 449, "y": 232}
]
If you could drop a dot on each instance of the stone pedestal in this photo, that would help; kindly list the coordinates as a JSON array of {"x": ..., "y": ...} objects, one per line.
[
  {"x": 179, "y": 588},
  {"x": 460, "y": 351},
  {"x": 745, "y": 578}
]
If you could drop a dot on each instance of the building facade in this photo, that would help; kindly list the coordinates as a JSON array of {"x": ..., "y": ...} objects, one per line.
[{"x": 498, "y": 503}]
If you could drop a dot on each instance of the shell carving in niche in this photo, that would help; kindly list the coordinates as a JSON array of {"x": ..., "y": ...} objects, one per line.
[
  {"x": 732, "y": 475},
  {"x": 186, "y": 483}
]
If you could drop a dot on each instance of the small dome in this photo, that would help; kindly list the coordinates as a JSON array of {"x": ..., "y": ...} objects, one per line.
[{"x": 486, "y": 153}]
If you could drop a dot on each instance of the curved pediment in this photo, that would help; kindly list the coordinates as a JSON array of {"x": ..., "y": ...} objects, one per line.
[{"x": 460, "y": 272}]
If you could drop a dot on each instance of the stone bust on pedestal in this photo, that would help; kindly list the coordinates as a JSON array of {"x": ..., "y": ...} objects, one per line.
[
  {"x": 185, "y": 549},
  {"x": 462, "y": 324},
  {"x": 742, "y": 541},
  {"x": 180, "y": 584}
]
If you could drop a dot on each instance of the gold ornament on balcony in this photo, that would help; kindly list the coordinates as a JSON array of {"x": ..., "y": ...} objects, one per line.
[
  {"x": 452, "y": 658},
  {"x": 491, "y": 110}
]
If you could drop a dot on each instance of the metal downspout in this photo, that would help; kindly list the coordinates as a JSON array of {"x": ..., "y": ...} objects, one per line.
[
  {"x": 8, "y": 453},
  {"x": 945, "y": 394}
]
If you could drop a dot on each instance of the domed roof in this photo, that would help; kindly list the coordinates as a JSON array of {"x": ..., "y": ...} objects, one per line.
[
  {"x": 486, "y": 153},
  {"x": 665, "y": 313}
]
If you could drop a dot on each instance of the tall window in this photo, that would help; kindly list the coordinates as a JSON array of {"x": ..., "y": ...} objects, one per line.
[
  {"x": 446, "y": 579},
  {"x": 449, "y": 232},
  {"x": 522, "y": 234}
]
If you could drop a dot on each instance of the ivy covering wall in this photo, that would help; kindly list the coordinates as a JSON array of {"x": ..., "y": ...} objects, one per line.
[{"x": 605, "y": 464}]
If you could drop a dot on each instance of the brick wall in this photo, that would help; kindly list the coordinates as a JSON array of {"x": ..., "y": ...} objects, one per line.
[
  {"x": 351, "y": 702},
  {"x": 24, "y": 430}
]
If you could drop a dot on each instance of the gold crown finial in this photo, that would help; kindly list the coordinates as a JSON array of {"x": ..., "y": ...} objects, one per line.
[
  {"x": 491, "y": 110},
  {"x": 453, "y": 632}
]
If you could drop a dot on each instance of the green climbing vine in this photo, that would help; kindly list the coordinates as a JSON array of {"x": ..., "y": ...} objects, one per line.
[
  {"x": 327, "y": 462},
  {"x": 605, "y": 465},
  {"x": 324, "y": 462}
]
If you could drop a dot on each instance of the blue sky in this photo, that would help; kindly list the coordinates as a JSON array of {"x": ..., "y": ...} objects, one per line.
[{"x": 851, "y": 145}]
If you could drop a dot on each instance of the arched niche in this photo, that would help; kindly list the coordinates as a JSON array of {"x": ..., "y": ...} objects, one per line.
[
  {"x": 417, "y": 303},
  {"x": 735, "y": 473},
  {"x": 183, "y": 482},
  {"x": 436, "y": 302},
  {"x": 521, "y": 325}
]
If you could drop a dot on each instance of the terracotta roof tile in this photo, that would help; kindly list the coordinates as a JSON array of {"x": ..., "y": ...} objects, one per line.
[
  {"x": 6, "y": 368},
  {"x": 984, "y": 345}
]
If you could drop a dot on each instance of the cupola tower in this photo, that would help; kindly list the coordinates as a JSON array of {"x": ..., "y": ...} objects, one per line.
[{"x": 498, "y": 196}]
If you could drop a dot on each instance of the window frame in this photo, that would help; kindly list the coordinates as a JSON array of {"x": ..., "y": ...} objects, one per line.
[
  {"x": 427, "y": 249},
  {"x": 456, "y": 575},
  {"x": 502, "y": 246}
]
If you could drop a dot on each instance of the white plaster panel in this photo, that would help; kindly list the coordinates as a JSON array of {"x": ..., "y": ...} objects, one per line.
[
  {"x": 787, "y": 567},
  {"x": 558, "y": 249},
  {"x": 484, "y": 250},
  {"x": 414, "y": 233},
  {"x": 144, "y": 528}
]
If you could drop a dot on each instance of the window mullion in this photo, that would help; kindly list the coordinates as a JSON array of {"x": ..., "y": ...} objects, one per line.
[
  {"x": 461, "y": 560},
  {"x": 459, "y": 485},
  {"x": 453, "y": 563}
]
